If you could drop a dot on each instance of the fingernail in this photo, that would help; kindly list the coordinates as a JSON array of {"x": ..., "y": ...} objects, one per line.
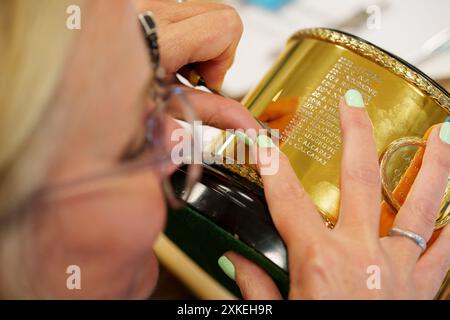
[
  {"x": 444, "y": 133},
  {"x": 265, "y": 142},
  {"x": 244, "y": 138},
  {"x": 354, "y": 99},
  {"x": 227, "y": 267}
]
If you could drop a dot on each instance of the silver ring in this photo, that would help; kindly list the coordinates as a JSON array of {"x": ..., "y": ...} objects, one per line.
[{"x": 420, "y": 241}]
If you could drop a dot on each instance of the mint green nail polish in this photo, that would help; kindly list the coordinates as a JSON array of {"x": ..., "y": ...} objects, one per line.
[
  {"x": 264, "y": 141},
  {"x": 244, "y": 138},
  {"x": 227, "y": 267},
  {"x": 444, "y": 133},
  {"x": 354, "y": 99}
]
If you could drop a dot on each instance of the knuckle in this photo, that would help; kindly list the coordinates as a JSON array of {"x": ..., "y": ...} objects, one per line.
[
  {"x": 313, "y": 258},
  {"x": 229, "y": 110},
  {"x": 221, "y": 111},
  {"x": 237, "y": 108},
  {"x": 232, "y": 19},
  {"x": 425, "y": 211},
  {"x": 317, "y": 263},
  {"x": 214, "y": 118},
  {"x": 363, "y": 172}
]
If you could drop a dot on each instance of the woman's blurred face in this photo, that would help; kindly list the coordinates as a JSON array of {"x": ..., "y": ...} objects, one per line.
[{"x": 107, "y": 230}]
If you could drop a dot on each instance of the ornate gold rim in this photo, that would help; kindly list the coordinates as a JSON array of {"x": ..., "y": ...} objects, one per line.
[{"x": 380, "y": 57}]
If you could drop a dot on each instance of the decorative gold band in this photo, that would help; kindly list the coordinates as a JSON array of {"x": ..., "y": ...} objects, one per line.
[{"x": 381, "y": 58}]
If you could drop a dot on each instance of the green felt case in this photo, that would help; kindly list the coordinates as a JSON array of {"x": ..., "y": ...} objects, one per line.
[{"x": 204, "y": 242}]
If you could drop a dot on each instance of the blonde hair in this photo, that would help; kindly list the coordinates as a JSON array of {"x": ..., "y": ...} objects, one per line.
[{"x": 34, "y": 46}]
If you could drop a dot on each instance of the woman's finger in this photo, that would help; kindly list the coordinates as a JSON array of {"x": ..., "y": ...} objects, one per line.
[
  {"x": 220, "y": 112},
  {"x": 293, "y": 212},
  {"x": 434, "y": 264},
  {"x": 253, "y": 281},
  {"x": 360, "y": 177},
  {"x": 209, "y": 40},
  {"x": 419, "y": 212}
]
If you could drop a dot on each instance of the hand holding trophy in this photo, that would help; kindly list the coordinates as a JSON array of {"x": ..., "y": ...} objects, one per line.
[{"x": 335, "y": 152}]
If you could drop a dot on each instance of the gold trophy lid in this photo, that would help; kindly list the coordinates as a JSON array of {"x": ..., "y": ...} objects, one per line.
[{"x": 381, "y": 57}]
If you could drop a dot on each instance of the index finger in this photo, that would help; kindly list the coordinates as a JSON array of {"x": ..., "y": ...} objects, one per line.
[
  {"x": 360, "y": 174},
  {"x": 220, "y": 112},
  {"x": 293, "y": 212}
]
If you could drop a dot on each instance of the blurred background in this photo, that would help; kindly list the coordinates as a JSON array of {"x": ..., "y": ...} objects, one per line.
[{"x": 415, "y": 30}]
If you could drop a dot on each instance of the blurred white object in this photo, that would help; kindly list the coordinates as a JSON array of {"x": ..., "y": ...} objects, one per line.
[
  {"x": 404, "y": 27},
  {"x": 439, "y": 41}
]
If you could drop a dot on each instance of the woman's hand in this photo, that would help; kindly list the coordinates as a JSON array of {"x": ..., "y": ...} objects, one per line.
[
  {"x": 196, "y": 32},
  {"x": 342, "y": 263},
  {"x": 206, "y": 34}
]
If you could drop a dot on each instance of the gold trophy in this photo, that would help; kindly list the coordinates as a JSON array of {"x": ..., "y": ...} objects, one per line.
[{"x": 300, "y": 95}]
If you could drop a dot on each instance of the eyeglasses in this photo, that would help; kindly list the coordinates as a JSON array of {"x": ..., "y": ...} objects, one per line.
[{"x": 169, "y": 100}]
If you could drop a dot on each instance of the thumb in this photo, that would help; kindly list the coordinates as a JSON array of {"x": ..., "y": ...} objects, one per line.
[{"x": 253, "y": 281}]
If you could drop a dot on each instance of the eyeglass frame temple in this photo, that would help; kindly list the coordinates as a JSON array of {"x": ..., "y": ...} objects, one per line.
[{"x": 149, "y": 27}]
